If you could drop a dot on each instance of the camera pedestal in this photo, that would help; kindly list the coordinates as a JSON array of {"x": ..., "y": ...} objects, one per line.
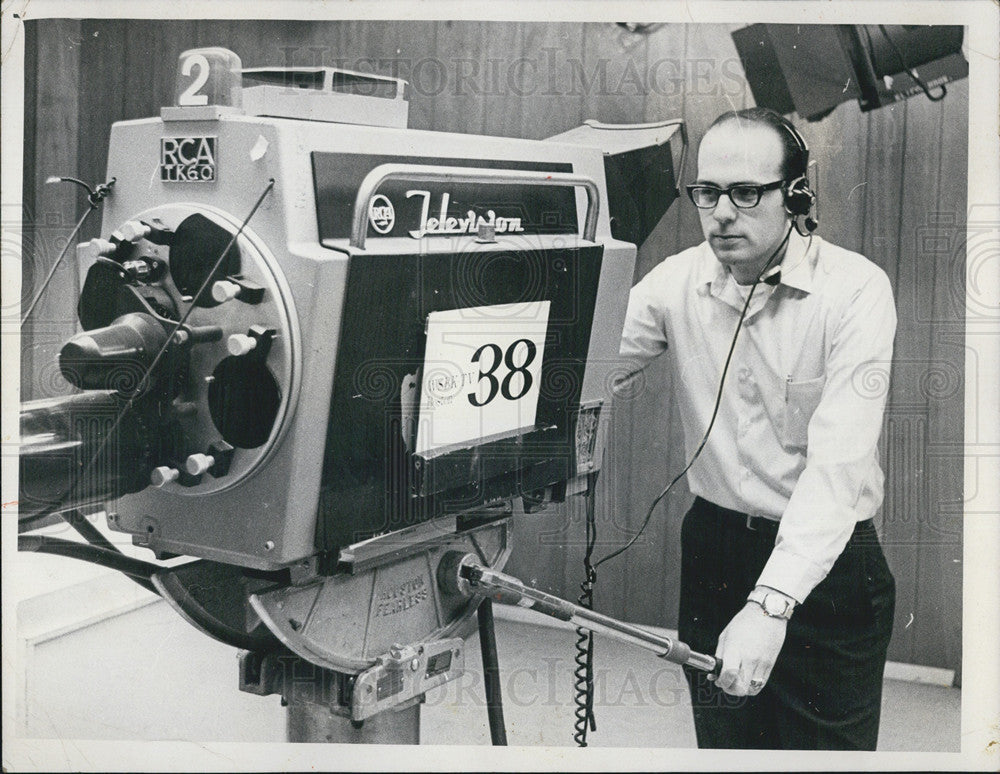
[
  {"x": 316, "y": 722},
  {"x": 319, "y": 702}
]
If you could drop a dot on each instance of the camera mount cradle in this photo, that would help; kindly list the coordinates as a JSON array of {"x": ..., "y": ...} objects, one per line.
[{"x": 377, "y": 634}]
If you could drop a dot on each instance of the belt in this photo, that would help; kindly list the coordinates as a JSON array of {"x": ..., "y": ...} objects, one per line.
[
  {"x": 770, "y": 526},
  {"x": 753, "y": 523},
  {"x": 762, "y": 524}
]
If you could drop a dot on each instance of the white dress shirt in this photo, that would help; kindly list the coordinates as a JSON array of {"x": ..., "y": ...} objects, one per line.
[{"x": 797, "y": 432}]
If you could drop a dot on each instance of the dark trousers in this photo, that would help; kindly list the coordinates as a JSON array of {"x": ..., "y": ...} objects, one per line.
[{"x": 825, "y": 690}]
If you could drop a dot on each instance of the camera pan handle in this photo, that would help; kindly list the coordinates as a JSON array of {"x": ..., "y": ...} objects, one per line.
[
  {"x": 419, "y": 174},
  {"x": 464, "y": 575}
]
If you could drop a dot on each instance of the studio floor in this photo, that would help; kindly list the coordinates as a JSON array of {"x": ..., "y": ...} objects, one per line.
[
  {"x": 158, "y": 678},
  {"x": 640, "y": 701}
]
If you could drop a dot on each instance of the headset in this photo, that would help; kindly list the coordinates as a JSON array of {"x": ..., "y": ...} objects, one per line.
[{"x": 799, "y": 196}]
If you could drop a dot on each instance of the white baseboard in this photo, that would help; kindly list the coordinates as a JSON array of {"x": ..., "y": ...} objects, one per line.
[
  {"x": 917, "y": 673},
  {"x": 55, "y": 614},
  {"x": 894, "y": 670}
]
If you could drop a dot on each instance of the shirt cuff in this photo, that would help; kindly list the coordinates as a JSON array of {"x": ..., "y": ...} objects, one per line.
[{"x": 791, "y": 574}]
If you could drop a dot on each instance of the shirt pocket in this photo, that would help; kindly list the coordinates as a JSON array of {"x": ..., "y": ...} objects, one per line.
[{"x": 801, "y": 399}]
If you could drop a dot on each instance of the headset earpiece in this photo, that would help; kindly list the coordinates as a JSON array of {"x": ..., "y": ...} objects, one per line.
[{"x": 799, "y": 197}]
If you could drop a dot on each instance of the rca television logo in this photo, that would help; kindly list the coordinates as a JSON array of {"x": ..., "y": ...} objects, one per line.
[
  {"x": 187, "y": 159},
  {"x": 381, "y": 214}
]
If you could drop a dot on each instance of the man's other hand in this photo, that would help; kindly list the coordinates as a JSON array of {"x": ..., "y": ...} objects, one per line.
[{"x": 748, "y": 647}]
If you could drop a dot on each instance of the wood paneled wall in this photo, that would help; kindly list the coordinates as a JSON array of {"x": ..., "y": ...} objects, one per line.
[{"x": 891, "y": 185}]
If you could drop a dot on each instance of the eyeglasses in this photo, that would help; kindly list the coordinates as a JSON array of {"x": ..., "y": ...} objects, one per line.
[{"x": 743, "y": 195}]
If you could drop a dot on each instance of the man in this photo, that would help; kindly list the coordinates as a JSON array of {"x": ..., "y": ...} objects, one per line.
[{"x": 782, "y": 576}]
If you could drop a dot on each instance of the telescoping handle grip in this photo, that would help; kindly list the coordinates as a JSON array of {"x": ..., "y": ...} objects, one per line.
[{"x": 472, "y": 577}]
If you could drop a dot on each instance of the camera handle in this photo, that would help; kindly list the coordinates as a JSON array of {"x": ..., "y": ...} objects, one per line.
[
  {"x": 471, "y": 577},
  {"x": 418, "y": 173}
]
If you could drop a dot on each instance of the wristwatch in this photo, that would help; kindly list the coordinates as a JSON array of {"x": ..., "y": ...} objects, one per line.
[{"x": 773, "y": 604}]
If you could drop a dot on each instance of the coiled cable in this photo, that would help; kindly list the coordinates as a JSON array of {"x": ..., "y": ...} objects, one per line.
[{"x": 583, "y": 674}]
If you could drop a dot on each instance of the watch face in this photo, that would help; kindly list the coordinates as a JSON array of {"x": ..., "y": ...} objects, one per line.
[{"x": 774, "y": 605}]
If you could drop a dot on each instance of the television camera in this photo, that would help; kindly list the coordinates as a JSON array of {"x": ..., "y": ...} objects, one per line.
[{"x": 332, "y": 358}]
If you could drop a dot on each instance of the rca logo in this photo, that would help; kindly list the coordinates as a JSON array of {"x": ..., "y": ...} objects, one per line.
[
  {"x": 187, "y": 159},
  {"x": 381, "y": 214}
]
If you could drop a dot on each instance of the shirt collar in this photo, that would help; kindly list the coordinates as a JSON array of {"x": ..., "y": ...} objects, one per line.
[
  {"x": 799, "y": 263},
  {"x": 797, "y": 267}
]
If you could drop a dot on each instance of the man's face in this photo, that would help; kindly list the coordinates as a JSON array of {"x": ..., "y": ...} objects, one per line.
[{"x": 743, "y": 152}]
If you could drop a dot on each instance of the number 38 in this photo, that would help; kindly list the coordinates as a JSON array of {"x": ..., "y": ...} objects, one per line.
[{"x": 504, "y": 386}]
